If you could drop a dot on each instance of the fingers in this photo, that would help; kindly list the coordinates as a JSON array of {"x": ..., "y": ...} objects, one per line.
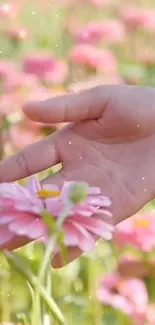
[
  {"x": 31, "y": 160},
  {"x": 73, "y": 253},
  {"x": 73, "y": 107}
]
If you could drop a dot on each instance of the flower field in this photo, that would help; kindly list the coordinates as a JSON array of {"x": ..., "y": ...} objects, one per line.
[{"x": 50, "y": 48}]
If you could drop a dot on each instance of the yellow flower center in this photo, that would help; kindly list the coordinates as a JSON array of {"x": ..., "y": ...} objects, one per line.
[
  {"x": 47, "y": 193},
  {"x": 142, "y": 223}
]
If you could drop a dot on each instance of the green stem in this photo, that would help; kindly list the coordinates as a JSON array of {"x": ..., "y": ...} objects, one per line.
[
  {"x": 46, "y": 259},
  {"x": 52, "y": 242},
  {"x": 21, "y": 266}
]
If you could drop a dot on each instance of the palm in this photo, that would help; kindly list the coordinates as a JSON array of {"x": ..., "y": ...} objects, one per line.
[{"x": 113, "y": 154}]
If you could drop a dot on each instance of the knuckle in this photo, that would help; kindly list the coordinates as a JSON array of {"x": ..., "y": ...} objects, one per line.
[{"x": 22, "y": 164}]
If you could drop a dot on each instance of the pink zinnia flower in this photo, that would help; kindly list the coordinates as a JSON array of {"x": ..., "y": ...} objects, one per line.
[
  {"x": 21, "y": 211},
  {"x": 110, "y": 31},
  {"x": 138, "y": 18},
  {"x": 128, "y": 295},
  {"x": 95, "y": 58},
  {"x": 138, "y": 231},
  {"x": 46, "y": 67}
]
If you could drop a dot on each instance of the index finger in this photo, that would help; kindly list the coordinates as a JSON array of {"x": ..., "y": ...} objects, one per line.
[{"x": 32, "y": 159}]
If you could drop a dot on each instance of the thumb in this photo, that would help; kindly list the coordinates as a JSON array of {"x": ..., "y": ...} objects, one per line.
[{"x": 72, "y": 107}]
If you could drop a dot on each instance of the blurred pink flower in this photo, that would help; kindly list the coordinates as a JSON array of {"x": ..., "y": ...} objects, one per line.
[
  {"x": 136, "y": 17},
  {"x": 22, "y": 136},
  {"x": 11, "y": 103},
  {"x": 59, "y": 73},
  {"x": 6, "y": 68},
  {"x": 110, "y": 31},
  {"x": 138, "y": 231},
  {"x": 45, "y": 66},
  {"x": 90, "y": 56},
  {"x": 16, "y": 33},
  {"x": 8, "y": 10},
  {"x": 128, "y": 295},
  {"x": 22, "y": 207},
  {"x": 17, "y": 80}
]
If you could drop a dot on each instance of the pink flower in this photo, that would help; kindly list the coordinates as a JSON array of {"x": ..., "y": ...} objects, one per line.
[
  {"x": 136, "y": 18},
  {"x": 110, "y": 31},
  {"x": 128, "y": 295},
  {"x": 8, "y": 10},
  {"x": 6, "y": 68},
  {"x": 45, "y": 66},
  {"x": 59, "y": 73},
  {"x": 16, "y": 33},
  {"x": 138, "y": 231},
  {"x": 21, "y": 214},
  {"x": 18, "y": 80},
  {"x": 95, "y": 58},
  {"x": 22, "y": 136}
]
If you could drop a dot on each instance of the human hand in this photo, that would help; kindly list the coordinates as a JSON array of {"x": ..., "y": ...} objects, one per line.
[{"x": 110, "y": 144}]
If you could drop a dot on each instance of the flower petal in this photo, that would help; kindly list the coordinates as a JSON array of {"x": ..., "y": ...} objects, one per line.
[
  {"x": 97, "y": 227},
  {"x": 6, "y": 236},
  {"x": 86, "y": 241},
  {"x": 99, "y": 201},
  {"x": 94, "y": 191},
  {"x": 33, "y": 185},
  {"x": 6, "y": 218}
]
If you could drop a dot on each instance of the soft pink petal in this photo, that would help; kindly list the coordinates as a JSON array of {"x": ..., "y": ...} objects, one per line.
[
  {"x": 72, "y": 235},
  {"x": 21, "y": 222},
  {"x": 101, "y": 201},
  {"x": 54, "y": 206},
  {"x": 94, "y": 191},
  {"x": 104, "y": 296},
  {"x": 103, "y": 212},
  {"x": 5, "y": 236},
  {"x": 97, "y": 227},
  {"x": 86, "y": 241},
  {"x": 36, "y": 207},
  {"x": 33, "y": 185},
  {"x": 6, "y": 218},
  {"x": 35, "y": 230},
  {"x": 7, "y": 203}
]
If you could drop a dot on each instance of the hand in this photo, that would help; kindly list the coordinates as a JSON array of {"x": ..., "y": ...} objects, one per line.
[{"x": 111, "y": 144}]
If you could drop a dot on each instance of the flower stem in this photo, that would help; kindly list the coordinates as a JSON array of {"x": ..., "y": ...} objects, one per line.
[
  {"x": 52, "y": 242},
  {"x": 21, "y": 266},
  {"x": 46, "y": 259}
]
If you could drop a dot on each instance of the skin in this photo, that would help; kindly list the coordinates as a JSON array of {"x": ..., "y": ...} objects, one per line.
[{"x": 109, "y": 142}]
